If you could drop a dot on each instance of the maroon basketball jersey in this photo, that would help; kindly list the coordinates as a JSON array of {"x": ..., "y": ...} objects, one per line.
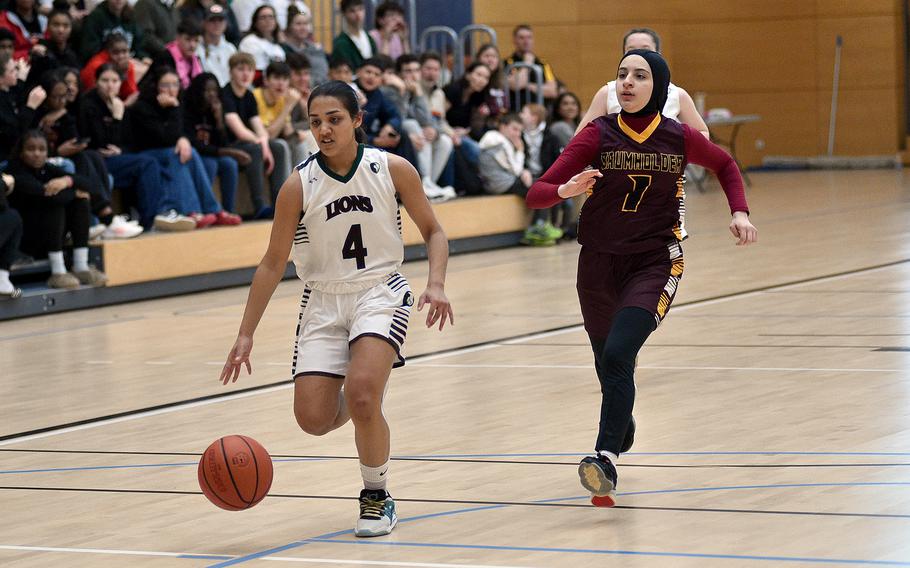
[{"x": 639, "y": 203}]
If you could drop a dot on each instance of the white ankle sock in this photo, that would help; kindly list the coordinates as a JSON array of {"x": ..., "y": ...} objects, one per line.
[
  {"x": 375, "y": 477},
  {"x": 6, "y": 287},
  {"x": 80, "y": 259},
  {"x": 610, "y": 456},
  {"x": 56, "y": 260}
]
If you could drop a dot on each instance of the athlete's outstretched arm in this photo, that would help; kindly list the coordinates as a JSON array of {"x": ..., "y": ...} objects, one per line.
[
  {"x": 563, "y": 180},
  {"x": 705, "y": 153},
  {"x": 268, "y": 274},
  {"x": 407, "y": 183},
  {"x": 598, "y": 107}
]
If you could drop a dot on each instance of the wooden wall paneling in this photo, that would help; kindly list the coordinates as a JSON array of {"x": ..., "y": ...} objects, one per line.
[
  {"x": 848, "y": 8},
  {"x": 868, "y": 56},
  {"x": 741, "y": 10},
  {"x": 788, "y": 125},
  {"x": 867, "y": 121},
  {"x": 745, "y": 56},
  {"x": 512, "y": 12},
  {"x": 613, "y": 12}
]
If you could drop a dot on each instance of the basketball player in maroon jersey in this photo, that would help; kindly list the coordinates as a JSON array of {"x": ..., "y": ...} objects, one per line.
[{"x": 630, "y": 231}]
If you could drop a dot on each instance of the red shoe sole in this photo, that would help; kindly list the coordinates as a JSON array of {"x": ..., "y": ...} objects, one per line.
[{"x": 605, "y": 501}]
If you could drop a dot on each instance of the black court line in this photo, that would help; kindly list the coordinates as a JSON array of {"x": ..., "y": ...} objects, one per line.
[
  {"x": 478, "y": 460},
  {"x": 72, "y": 328},
  {"x": 687, "y": 345},
  {"x": 802, "y": 316},
  {"x": 478, "y": 502},
  {"x": 139, "y": 411},
  {"x": 439, "y": 352},
  {"x": 833, "y": 334},
  {"x": 844, "y": 292}
]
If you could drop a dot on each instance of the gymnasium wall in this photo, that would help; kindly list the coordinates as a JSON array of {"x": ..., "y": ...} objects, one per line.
[{"x": 769, "y": 57}]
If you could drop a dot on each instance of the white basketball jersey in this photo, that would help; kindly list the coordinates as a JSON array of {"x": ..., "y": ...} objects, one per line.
[
  {"x": 349, "y": 234},
  {"x": 671, "y": 107}
]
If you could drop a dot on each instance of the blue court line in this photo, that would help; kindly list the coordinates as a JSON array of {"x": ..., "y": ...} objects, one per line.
[
  {"x": 326, "y": 537},
  {"x": 299, "y": 543},
  {"x": 202, "y": 557},
  {"x": 621, "y": 552}
]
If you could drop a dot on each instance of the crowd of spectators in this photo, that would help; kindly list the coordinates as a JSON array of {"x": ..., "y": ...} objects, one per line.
[{"x": 121, "y": 117}]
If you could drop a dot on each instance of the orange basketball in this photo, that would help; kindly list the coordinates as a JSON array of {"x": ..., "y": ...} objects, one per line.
[{"x": 235, "y": 472}]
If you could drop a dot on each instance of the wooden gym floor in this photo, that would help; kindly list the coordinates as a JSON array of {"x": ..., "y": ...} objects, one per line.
[{"x": 773, "y": 413}]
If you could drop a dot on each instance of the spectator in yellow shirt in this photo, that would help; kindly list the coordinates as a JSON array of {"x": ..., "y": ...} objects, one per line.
[{"x": 276, "y": 100}]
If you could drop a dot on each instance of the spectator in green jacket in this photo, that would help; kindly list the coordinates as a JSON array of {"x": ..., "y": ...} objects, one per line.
[
  {"x": 353, "y": 44},
  {"x": 158, "y": 21}
]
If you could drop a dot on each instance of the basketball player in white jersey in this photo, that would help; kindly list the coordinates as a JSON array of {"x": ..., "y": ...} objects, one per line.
[
  {"x": 680, "y": 106},
  {"x": 338, "y": 216}
]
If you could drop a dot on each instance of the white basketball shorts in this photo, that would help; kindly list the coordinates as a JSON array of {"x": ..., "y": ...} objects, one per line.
[{"x": 330, "y": 323}]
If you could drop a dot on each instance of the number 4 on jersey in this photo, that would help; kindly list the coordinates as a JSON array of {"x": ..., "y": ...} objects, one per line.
[{"x": 353, "y": 247}]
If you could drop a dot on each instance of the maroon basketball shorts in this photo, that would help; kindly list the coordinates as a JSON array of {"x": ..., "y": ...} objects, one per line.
[{"x": 608, "y": 283}]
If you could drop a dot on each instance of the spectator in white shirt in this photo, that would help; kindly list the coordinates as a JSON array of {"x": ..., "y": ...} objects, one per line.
[
  {"x": 262, "y": 39},
  {"x": 214, "y": 50},
  {"x": 244, "y": 10}
]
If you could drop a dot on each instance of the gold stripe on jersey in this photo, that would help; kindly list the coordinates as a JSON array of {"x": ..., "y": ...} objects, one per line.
[
  {"x": 679, "y": 230},
  {"x": 677, "y": 266},
  {"x": 646, "y": 133}
]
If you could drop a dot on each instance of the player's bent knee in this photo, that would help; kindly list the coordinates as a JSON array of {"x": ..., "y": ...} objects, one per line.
[{"x": 313, "y": 423}]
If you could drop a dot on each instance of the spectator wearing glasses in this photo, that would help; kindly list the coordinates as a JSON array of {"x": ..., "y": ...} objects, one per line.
[{"x": 262, "y": 39}]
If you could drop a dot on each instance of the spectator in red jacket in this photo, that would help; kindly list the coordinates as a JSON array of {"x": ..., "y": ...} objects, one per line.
[
  {"x": 26, "y": 24},
  {"x": 116, "y": 50}
]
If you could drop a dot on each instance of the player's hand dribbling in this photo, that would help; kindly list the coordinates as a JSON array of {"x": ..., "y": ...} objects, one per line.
[
  {"x": 239, "y": 355},
  {"x": 580, "y": 183},
  {"x": 743, "y": 229},
  {"x": 440, "y": 308}
]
